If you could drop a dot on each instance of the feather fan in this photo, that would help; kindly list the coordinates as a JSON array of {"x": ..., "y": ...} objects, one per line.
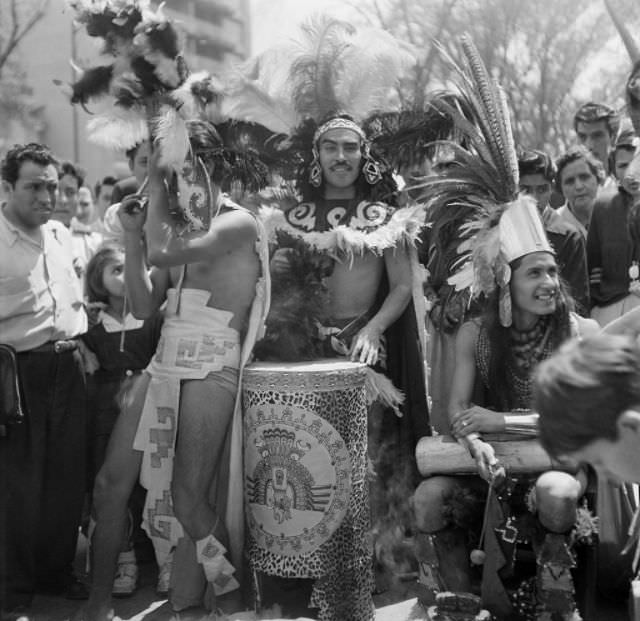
[
  {"x": 119, "y": 129},
  {"x": 170, "y": 131},
  {"x": 127, "y": 90},
  {"x": 93, "y": 82}
]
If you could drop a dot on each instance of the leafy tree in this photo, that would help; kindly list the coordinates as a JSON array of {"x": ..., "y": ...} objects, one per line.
[
  {"x": 17, "y": 18},
  {"x": 539, "y": 52}
]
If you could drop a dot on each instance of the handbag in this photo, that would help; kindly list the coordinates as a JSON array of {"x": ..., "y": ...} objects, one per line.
[{"x": 11, "y": 411}]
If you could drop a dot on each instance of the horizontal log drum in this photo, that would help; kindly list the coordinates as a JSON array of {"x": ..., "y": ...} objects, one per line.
[{"x": 444, "y": 455}]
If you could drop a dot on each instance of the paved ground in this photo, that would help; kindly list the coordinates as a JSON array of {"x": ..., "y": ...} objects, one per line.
[{"x": 396, "y": 604}]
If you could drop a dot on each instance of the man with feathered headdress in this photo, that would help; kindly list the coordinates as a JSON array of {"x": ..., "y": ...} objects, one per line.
[
  {"x": 343, "y": 221},
  {"x": 180, "y": 425},
  {"x": 505, "y": 259}
]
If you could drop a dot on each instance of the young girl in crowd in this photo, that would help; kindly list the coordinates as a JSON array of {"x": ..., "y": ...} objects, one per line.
[{"x": 124, "y": 347}]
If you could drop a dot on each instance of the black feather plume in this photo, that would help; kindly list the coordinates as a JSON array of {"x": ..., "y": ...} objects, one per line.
[
  {"x": 127, "y": 91},
  {"x": 298, "y": 304},
  {"x": 164, "y": 38},
  {"x": 93, "y": 83},
  {"x": 406, "y": 136},
  {"x": 145, "y": 72}
]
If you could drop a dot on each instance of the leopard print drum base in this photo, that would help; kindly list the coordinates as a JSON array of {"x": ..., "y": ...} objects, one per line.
[{"x": 306, "y": 492}]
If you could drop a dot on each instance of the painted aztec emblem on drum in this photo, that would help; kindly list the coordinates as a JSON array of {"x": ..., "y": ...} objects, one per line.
[{"x": 297, "y": 478}]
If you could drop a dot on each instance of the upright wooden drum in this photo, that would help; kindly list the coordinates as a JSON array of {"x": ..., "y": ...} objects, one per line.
[{"x": 305, "y": 469}]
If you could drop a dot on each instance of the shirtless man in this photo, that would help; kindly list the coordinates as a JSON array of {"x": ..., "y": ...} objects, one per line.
[
  {"x": 353, "y": 286},
  {"x": 348, "y": 218},
  {"x": 209, "y": 281}
]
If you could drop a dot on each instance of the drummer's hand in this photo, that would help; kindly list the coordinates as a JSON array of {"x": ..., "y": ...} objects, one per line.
[
  {"x": 477, "y": 420},
  {"x": 366, "y": 345},
  {"x": 486, "y": 461}
]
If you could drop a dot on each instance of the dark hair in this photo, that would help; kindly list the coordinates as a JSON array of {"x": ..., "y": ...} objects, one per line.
[
  {"x": 18, "y": 154},
  {"x": 573, "y": 154},
  {"x": 205, "y": 142},
  {"x": 592, "y": 112},
  {"x": 95, "y": 269},
  {"x": 501, "y": 343},
  {"x": 385, "y": 191},
  {"x": 583, "y": 388},
  {"x": 203, "y": 137},
  {"x": 108, "y": 180},
  {"x": 533, "y": 162},
  {"x": 626, "y": 141},
  {"x": 69, "y": 168}
]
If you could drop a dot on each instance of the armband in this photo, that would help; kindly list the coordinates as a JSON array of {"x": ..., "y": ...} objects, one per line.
[{"x": 523, "y": 424}]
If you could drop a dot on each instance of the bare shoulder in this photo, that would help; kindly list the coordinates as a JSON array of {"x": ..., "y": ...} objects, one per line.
[{"x": 237, "y": 221}]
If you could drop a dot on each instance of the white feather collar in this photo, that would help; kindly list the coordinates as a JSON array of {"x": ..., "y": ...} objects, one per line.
[{"x": 402, "y": 227}]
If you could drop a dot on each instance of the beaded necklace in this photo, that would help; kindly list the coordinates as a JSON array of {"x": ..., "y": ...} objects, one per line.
[
  {"x": 528, "y": 346},
  {"x": 527, "y": 349}
]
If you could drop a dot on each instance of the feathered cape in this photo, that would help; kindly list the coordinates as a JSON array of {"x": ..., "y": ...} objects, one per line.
[{"x": 385, "y": 228}]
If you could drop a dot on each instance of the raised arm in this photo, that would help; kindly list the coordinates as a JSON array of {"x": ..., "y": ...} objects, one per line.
[
  {"x": 367, "y": 342},
  {"x": 145, "y": 290}
]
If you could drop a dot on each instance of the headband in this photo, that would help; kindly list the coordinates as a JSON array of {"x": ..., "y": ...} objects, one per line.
[{"x": 339, "y": 123}]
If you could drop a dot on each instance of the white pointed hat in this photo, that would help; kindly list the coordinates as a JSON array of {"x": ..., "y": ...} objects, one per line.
[{"x": 521, "y": 231}]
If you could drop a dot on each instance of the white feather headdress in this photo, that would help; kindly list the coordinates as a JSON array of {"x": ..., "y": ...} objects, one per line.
[{"x": 330, "y": 68}]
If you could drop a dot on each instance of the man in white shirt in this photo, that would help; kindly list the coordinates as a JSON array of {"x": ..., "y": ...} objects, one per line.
[{"x": 41, "y": 313}]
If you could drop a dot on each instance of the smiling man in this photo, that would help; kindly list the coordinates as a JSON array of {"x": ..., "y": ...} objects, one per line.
[
  {"x": 537, "y": 176},
  {"x": 41, "y": 313},
  {"x": 349, "y": 221},
  {"x": 527, "y": 315}
]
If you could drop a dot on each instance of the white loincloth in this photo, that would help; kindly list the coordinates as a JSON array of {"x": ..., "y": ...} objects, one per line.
[
  {"x": 164, "y": 387},
  {"x": 194, "y": 343}
]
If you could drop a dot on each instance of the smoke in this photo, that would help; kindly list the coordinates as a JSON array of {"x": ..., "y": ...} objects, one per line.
[{"x": 392, "y": 485}]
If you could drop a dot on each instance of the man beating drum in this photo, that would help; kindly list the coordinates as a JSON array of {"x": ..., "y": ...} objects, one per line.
[{"x": 348, "y": 225}]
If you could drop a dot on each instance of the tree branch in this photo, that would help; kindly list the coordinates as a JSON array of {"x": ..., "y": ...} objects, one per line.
[{"x": 17, "y": 34}]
